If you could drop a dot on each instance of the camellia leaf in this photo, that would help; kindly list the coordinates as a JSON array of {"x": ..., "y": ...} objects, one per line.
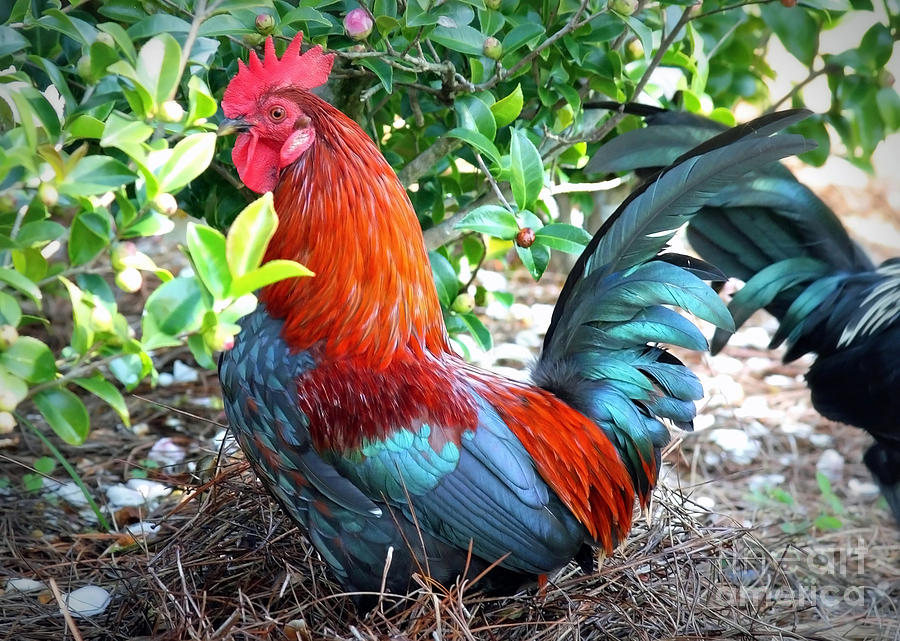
[
  {"x": 90, "y": 233},
  {"x": 200, "y": 102},
  {"x": 190, "y": 158},
  {"x": 478, "y": 141},
  {"x": 107, "y": 392},
  {"x": 17, "y": 281},
  {"x": 249, "y": 235},
  {"x": 461, "y": 38},
  {"x": 526, "y": 169},
  {"x": 29, "y": 359},
  {"x": 508, "y": 109},
  {"x": 445, "y": 279},
  {"x": 479, "y": 332},
  {"x": 159, "y": 65},
  {"x": 535, "y": 258},
  {"x": 271, "y": 272},
  {"x": 65, "y": 413},
  {"x": 207, "y": 247},
  {"x": 473, "y": 114},
  {"x": 177, "y": 306},
  {"x": 11, "y": 41},
  {"x": 492, "y": 220},
  {"x": 563, "y": 237},
  {"x": 96, "y": 175},
  {"x": 121, "y": 132}
]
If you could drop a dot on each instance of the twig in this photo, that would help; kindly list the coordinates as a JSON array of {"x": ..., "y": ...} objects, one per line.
[
  {"x": 64, "y": 608},
  {"x": 422, "y": 164}
]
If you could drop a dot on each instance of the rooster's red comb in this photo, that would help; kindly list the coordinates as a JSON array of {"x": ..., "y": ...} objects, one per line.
[{"x": 304, "y": 71}]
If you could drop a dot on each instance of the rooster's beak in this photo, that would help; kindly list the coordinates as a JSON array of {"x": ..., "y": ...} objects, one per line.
[{"x": 230, "y": 126}]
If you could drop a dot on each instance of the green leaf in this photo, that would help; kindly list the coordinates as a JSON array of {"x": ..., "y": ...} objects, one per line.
[
  {"x": 207, "y": 247},
  {"x": 10, "y": 312},
  {"x": 17, "y": 281},
  {"x": 474, "y": 114},
  {"x": 271, "y": 272},
  {"x": 492, "y": 220},
  {"x": 535, "y": 258},
  {"x": 65, "y": 413},
  {"x": 11, "y": 41},
  {"x": 477, "y": 141},
  {"x": 122, "y": 132},
  {"x": 121, "y": 37},
  {"x": 796, "y": 28},
  {"x": 150, "y": 224},
  {"x": 382, "y": 70},
  {"x": 75, "y": 28},
  {"x": 129, "y": 369},
  {"x": 563, "y": 237},
  {"x": 95, "y": 175},
  {"x": 445, "y": 279},
  {"x": 888, "y": 101},
  {"x": 106, "y": 392},
  {"x": 507, "y": 109},
  {"x": 877, "y": 46},
  {"x": 45, "y": 465},
  {"x": 520, "y": 35},
  {"x": 85, "y": 126},
  {"x": 37, "y": 105},
  {"x": 527, "y": 170},
  {"x": 159, "y": 23},
  {"x": 249, "y": 235},
  {"x": 190, "y": 158},
  {"x": 29, "y": 359},
  {"x": 643, "y": 32},
  {"x": 461, "y": 38},
  {"x": 200, "y": 102},
  {"x": 479, "y": 332},
  {"x": 177, "y": 307},
  {"x": 159, "y": 65},
  {"x": 90, "y": 233},
  {"x": 827, "y": 522},
  {"x": 305, "y": 14},
  {"x": 39, "y": 232},
  {"x": 14, "y": 385}
]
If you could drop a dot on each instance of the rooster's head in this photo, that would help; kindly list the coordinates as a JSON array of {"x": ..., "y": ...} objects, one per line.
[{"x": 264, "y": 102}]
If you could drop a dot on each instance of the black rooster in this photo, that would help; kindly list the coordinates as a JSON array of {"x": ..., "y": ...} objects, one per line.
[{"x": 798, "y": 262}]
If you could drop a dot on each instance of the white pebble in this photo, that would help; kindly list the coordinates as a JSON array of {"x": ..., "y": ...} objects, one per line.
[
  {"x": 528, "y": 338},
  {"x": 821, "y": 440},
  {"x": 68, "y": 492},
  {"x": 865, "y": 490},
  {"x": 737, "y": 444},
  {"x": 121, "y": 496},
  {"x": 795, "y": 428},
  {"x": 24, "y": 585},
  {"x": 166, "y": 451},
  {"x": 87, "y": 601},
  {"x": 182, "y": 373},
  {"x": 751, "y": 337},
  {"x": 722, "y": 364},
  {"x": 148, "y": 489},
  {"x": 704, "y": 421},
  {"x": 763, "y": 481},
  {"x": 724, "y": 390},
  {"x": 142, "y": 528},
  {"x": 831, "y": 464},
  {"x": 780, "y": 380}
]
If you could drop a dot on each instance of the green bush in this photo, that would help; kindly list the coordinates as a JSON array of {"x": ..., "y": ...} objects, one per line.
[{"x": 107, "y": 114}]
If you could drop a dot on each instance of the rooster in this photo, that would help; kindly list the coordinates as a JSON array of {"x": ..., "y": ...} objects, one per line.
[
  {"x": 799, "y": 263},
  {"x": 394, "y": 455}
]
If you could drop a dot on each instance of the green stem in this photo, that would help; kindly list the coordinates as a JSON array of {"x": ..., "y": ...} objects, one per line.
[{"x": 68, "y": 468}]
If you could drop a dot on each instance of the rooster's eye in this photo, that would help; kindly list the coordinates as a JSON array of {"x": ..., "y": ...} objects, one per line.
[{"x": 277, "y": 113}]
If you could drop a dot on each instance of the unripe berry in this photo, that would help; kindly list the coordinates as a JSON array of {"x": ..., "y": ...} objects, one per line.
[
  {"x": 101, "y": 319},
  {"x": 219, "y": 339},
  {"x": 83, "y": 67},
  {"x": 8, "y": 400},
  {"x": 121, "y": 253},
  {"x": 171, "y": 111},
  {"x": 265, "y": 24},
  {"x": 165, "y": 203},
  {"x": 7, "y": 422},
  {"x": 252, "y": 39},
  {"x": 492, "y": 48},
  {"x": 493, "y": 4},
  {"x": 358, "y": 24},
  {"x": 525, "y": 237},
  {"x": 623, "y": 7},
  {"x": 8, "y": 336},
  {"x": 106, "y": 39},
  {"x": 885, "y": 79},
  {"x": 463, "y": 304},
  {"x": 48, "y": 194},
  {"x": 129, "y": 280}
]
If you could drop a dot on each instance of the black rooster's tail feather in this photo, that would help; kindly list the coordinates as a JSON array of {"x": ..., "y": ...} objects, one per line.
[{"x": 884, "y": 464}]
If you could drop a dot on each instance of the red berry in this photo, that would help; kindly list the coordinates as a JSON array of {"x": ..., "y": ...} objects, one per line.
[
  {"x": 525, "y": 237},
  {"x": 788, "y": 3}
]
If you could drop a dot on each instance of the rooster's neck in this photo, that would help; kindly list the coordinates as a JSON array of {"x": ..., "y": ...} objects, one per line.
[{"x": 343, "y": 213}]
